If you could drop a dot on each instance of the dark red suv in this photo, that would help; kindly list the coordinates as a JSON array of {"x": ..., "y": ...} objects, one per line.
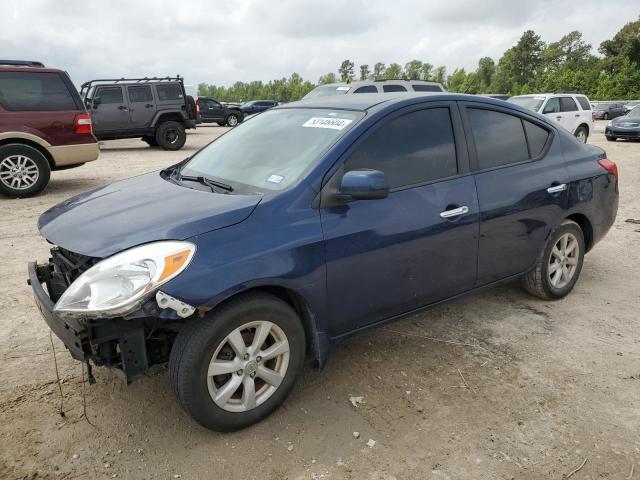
[{"x": 43, "y": 127}]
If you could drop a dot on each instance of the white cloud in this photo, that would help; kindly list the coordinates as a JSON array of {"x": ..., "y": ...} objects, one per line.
[{"x": 224, "y": 41}]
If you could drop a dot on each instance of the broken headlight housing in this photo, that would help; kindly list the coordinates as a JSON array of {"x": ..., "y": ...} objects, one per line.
[{"x": 121, "y": 283}]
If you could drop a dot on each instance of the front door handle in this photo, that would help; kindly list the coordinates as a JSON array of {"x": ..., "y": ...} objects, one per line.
[
  {"x": 454, "y": 212},
  {"x": 557, "y": 188},
  {"x": 559, "y": 117},
  {"x": 577, "y": 115},
  {"x": 122, "y": 107},
  {"x": 148, "y": 105}
]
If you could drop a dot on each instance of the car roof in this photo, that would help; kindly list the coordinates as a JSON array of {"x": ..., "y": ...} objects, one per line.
[
  {"x": 359, "y": 83},
  {"x": 559, "y": 94},
  {"x": 28, "y": 68},
  {"x": 366, "y": 101}
]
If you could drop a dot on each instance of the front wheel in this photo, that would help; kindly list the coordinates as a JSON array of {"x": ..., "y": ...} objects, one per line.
[
  {"x": 559, "y": 265},
  {"x": 171, "y": 135},
  {"x": 24, "y": 171},
  {"x": 581, "y": 134},
  {"x": 234, "y": 367},
  {"x": 232, "y": 120}
]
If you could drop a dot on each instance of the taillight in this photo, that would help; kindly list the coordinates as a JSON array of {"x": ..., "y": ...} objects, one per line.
[
  {"x": 82, "y": 123},
  {"x": 609, "y": 166}
]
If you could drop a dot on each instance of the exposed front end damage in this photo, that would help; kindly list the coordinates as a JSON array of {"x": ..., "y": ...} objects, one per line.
[{"x": 128, "y": 344}]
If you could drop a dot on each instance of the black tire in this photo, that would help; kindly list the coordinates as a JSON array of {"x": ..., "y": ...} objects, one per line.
[
  {"x": 537, "y": 281},
  {"x": 171, "y": 135},
  {"x": 612, "y": 139},
  {"x": 199, "y": 339},
  {"x": 580, "y": 131},
  {"x": 232, "y": 120},
  {"x": 35, "y": 161},
  {"x": 149, "y": 140},
  {"x": 605, "y": 116}
]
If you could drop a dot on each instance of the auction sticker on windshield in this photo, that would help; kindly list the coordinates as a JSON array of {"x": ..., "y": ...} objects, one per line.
[{"x": 324, "y": 122}]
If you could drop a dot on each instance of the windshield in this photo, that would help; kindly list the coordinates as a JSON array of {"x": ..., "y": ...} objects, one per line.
[
  {"x": 272, "y": 150},
  {"x": 327, "y": 91},
  {"x": 531, "y": 103},
  {"x": 634, "y": 112}
]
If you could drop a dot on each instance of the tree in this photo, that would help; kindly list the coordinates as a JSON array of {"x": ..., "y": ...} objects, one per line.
[
  {"x": 378, "y": 71},
  {"x": 624, "y": 45},
  {"x": 393, "y": 72},
  {"x": 570, "y": 51},
  {"x": 440, "y": 75},
  {"x": 413, "y": 70},
  {"x": 485, "y": 72},
  {"x": 427, "y": 71},
  {"x": 364, "y": 71},
  {"x": 346, "y": 71},
  {"x": 327, "y": 78},
  {"x": 520, "y": 64}
]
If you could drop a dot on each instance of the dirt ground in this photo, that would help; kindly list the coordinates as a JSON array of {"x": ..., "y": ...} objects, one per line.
[{"x": 498, "y": 385}]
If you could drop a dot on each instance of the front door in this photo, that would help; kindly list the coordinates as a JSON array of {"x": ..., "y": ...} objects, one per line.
[
  {"x": 419, "y": 245},
  {"x": 522, "y": 188},
  {"x": 109, "y": 111},
  {"x": 211, "y": 110},
  {"x": 141, "y": 105}
]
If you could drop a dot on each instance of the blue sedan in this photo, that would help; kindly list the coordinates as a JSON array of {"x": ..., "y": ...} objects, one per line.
[{"x": 311, "y": 222}]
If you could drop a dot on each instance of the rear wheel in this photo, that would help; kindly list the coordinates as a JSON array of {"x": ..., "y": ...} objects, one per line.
[
  {"x": 559, "y": 265},
  {"x": 171, "y": 135},
  {"x": 24, "y": 171},
  {"x": 237, "y": 365},
  {"x": 581, "y": 134}
]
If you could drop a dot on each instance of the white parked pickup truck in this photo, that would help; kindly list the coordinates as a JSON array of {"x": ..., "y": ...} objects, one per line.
[{"x": 572, "y": 111}]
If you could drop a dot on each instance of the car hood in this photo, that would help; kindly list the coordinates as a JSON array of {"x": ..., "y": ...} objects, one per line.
[
  {"x": 625, "y": 119},
  {"x": 139, "y": 210}
]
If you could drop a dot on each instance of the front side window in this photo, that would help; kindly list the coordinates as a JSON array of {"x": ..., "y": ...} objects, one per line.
[
  {"x": 366, "y": 89},
  {"x": 412, "y": 149},
  {"x": 22, "y": 91},
  {"x": 568, "y": 104},
  {"x": 528, "y": 102},
  {"x": 140, "y": 94},
  {"x": 272, "y": 150},
  {"x": 110, "y": 95},
  {"x": 393, "y": 88},
  {"x": 552, "y": 106}
]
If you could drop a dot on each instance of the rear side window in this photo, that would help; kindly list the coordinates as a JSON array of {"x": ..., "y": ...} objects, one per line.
[
  {"x": 22, "y": 91},
  {"x": 568, "y": 104},
  {"x": 110, "y": 95},
  {"x": 169, "y": 92},
  {"x": 426, "y": 88},
  {"x": 140, "y": 93},
  {"x": 393, "y": 88},
  {"x": 499, "y": 138},
  {"x": 366, "y": 89},
  {"x": 412, "y": 149},
  {"x": 584, "y": 103}
]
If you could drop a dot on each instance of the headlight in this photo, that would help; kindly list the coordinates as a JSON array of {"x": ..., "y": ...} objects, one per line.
[{"x": 121, "y": 283}]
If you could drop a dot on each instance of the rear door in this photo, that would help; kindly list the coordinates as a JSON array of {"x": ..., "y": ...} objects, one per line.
[
  {"x": 109, "y": 110},
  {"x": 522, "y": 187},
  {"x": 389, "y": 256},
  {"x": 142, "y": 105}
]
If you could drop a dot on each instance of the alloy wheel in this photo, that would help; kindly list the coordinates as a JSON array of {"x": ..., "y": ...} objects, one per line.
[
  {"x": 563, "y": 261},
  {"x": 582, "y": 136},
  {"x": 19, "y": 172},
  {"x": 248, "y": 366},
  {"x": 232, "y": 121}
]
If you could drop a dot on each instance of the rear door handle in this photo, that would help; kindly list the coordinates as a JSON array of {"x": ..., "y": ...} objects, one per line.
[
  {"x": 557, "y": 188},
  {"x": 122, "y": 107},
  {"x": 454, "y": 212}
]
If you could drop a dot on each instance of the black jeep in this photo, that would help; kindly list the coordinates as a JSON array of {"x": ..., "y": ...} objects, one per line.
[
  {"x": 155, "y": 109},
  {"x": 213, "y": 111}
]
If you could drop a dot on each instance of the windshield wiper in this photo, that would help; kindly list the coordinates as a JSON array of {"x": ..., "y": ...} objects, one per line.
[{"x": 212, "y": 184}]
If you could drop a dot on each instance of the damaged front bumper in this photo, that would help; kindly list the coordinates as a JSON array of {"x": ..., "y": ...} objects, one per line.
[{"x": 119, "y": 343}]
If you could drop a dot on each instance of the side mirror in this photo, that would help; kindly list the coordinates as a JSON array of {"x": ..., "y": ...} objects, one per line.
[
  {"x": 364, "y": 184},
  {"x": 96, "y": 102}
]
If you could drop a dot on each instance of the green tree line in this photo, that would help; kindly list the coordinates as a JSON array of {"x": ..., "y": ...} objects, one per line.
[{"x": 529, "y": 66}]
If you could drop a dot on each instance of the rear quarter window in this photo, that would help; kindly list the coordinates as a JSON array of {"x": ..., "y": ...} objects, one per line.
[
  {"x": 584, "y": 103},
  {"x": 169, "y": 92},
  {"x": 33, "y": 91}
]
